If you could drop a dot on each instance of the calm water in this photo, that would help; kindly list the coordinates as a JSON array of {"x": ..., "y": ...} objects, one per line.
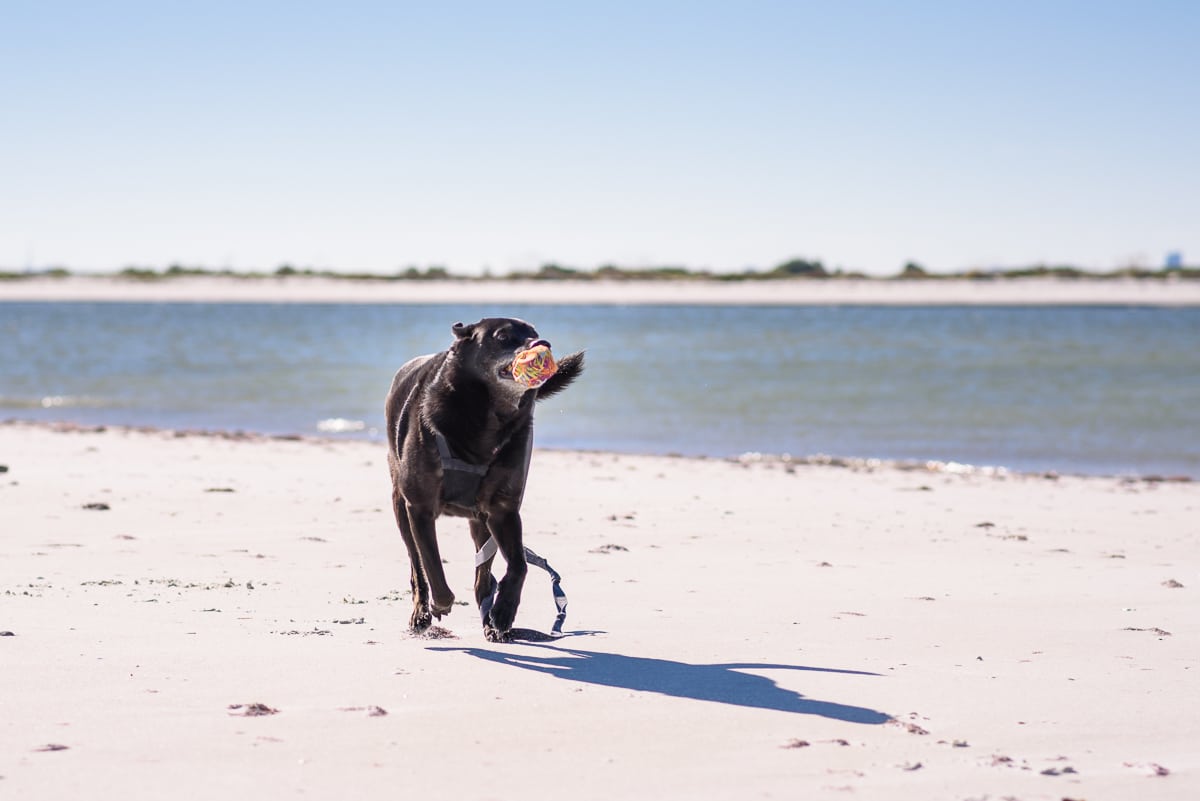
[{"x": 1073, "y": 389}]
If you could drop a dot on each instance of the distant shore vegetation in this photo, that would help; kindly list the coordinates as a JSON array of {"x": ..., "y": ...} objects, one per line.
[{"x": 791, "y": 269}]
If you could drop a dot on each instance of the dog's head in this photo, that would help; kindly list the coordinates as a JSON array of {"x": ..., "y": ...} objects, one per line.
[{"x": 486, "y": 350}]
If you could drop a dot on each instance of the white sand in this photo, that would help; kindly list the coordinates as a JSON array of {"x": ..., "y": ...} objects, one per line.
[
  {"x": 747, "y": 610},
  {"x": 313, "y": 290}
]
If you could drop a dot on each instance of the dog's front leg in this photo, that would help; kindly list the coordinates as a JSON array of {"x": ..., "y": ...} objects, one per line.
[
  {"x": 420, "y": 619},
  {"x": 425, "y": 535},
  {"x": 506, "y": 528}
]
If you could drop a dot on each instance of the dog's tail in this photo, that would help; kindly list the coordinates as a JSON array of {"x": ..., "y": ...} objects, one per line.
[{"x": 569, "y": 368}]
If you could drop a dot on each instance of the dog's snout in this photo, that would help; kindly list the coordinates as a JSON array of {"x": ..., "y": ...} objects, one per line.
[{"x": 537, "y": 342}]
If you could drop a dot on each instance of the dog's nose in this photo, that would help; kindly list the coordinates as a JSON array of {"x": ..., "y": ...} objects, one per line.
[{"x": 537, "y": 342}]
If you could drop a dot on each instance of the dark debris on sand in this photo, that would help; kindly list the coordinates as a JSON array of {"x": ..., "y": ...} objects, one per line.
[
  {"x": 437, "y": 633},
  {"x": 252, "y": 710}
]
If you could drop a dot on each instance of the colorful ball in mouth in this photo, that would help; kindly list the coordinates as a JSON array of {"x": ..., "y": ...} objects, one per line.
[{"x": 533, "y": 367}]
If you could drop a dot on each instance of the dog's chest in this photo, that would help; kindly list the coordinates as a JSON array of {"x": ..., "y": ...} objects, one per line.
[
  {"x": 462, "y": 480},
  {"x": 460, "y": 492}
]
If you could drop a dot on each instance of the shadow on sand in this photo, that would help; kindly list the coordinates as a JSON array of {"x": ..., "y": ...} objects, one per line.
[{"x": 721, "y": 683}]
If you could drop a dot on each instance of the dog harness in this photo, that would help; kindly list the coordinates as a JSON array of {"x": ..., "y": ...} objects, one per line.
[{"x": 460, "y": 479}]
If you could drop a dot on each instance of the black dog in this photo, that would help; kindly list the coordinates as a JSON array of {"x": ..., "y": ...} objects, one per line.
[{"x": 461, "y": 433}]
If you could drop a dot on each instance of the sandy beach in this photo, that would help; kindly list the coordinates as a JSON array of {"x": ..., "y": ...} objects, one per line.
[
  {"x": 299, "y": 289},
  {"x": 736, "y": 630}
]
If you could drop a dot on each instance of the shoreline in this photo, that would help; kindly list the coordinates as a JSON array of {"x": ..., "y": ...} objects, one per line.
[
  {"x": 781, "y": 292},
  {"x": 776, "y": 460}
]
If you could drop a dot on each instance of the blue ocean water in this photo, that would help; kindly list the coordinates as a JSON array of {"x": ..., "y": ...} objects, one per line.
[{"x": 1100, "y": 390}]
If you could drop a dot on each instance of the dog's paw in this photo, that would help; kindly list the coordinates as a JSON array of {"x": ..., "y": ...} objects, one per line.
[
  {"x": 493, "y": 634},
  {"x": 502, "y": 615},
  {"x": 442, "y": 606},
  {"x": 420, "y": 620}
]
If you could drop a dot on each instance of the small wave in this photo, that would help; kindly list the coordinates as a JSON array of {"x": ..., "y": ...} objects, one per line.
[
  {"x": 340, "y": 425},
  {"x": 56, "y": 402},
  {"x": 855, "y": 463}
]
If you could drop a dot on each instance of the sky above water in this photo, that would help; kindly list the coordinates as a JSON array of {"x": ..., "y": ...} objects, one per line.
[{"x": 371, "y": 136}]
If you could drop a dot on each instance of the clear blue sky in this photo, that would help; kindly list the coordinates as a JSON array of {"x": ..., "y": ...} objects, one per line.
[{"x": 375, "y": 135}]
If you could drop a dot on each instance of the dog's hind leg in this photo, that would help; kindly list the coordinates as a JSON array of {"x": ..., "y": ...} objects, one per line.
[
  {"x": 421, "y": 617},
  {"x": 506, "y": 528},
  {"x": 485, "y": 583},
  {"x": 424, "y": 533}
]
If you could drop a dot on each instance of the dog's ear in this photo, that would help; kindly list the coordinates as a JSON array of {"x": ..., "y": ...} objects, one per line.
[
  {"x": 569, "y": 368},
  {"x": 462, "y": 334}
]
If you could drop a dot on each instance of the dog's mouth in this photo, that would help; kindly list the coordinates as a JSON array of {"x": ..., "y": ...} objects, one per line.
[
  {"x": 505, "y": 371},
  {"x": 530, "y": 366}
]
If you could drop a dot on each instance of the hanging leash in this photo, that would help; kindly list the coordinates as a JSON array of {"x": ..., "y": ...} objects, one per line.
[{"x": 560, "y": 598}]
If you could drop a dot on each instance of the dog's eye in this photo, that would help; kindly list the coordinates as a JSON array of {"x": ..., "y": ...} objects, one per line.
[{"x": 504, "y": 335}]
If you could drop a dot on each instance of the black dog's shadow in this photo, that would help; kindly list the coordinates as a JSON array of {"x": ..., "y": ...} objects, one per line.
[{"x": 723, "y": 683}]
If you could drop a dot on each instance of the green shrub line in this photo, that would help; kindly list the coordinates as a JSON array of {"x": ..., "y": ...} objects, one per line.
[{"x": 793, "y": 269}]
